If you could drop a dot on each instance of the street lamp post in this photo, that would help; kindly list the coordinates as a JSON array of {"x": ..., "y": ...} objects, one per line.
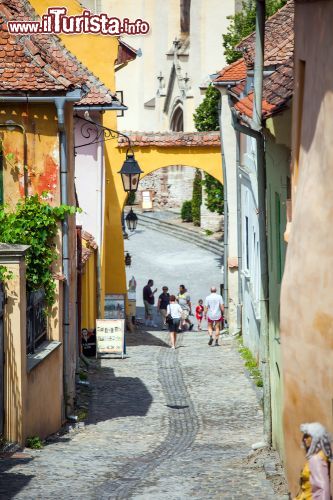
[{"x": 131, "y": 220}]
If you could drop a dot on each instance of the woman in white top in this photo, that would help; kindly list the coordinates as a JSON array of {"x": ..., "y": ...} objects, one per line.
[{"x": 175, "y": 312}]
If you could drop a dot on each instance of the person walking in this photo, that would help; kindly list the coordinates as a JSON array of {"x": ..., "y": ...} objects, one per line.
[
  {"x": 199, "y": 312},
  {"x": 174, "y": 312},
  {"x": 214, "y": 309},
  {"x": 149, "y": 300},
  {"x": 184, "y": 300},
  {"x": 162, "y": 304}
]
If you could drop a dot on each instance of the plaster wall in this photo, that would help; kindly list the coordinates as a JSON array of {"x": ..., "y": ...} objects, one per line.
[
  {"x": 229, "y": 149},
  {"x": 89, "y": 181},
  {"x": 33, "y": 400},
  {"x": 277, "y": 172},
  {"x": 306, "y": 296},
  {"x": 250, "y": 264}
]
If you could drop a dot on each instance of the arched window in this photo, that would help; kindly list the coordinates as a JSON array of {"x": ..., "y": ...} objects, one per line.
[{"x": 177, "y": 120}]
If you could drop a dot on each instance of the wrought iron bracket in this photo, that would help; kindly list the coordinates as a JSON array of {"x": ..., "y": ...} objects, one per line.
[{"x": 97, "y": 133}]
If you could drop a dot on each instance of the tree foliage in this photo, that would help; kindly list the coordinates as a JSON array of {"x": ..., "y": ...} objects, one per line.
[
  {"x": 214, "y": 191},
  {"x": 206, "y": 119},
  {"x": 196, "y": 197},
  {"x": 243, "y": 24},
  {"x": 34, "y": 222},
  {"x": 206, "y": 116},
  {"x": 186, "y": 211}
]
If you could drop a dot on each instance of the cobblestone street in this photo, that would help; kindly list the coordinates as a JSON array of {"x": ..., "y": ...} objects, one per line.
[{"x": 162, "y": 424}]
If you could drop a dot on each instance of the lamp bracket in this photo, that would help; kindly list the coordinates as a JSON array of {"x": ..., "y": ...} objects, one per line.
[{"x": 96, "y": 133}]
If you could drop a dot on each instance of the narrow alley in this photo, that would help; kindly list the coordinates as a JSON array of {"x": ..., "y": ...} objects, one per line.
[{"x": 162, "y": 424}]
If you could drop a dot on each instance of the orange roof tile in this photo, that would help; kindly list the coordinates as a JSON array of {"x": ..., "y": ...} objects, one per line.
[
  {"x": 279, "y": 38},
  {"x": 171, "y": 139},
  {"x": 40, "y": 63},
  {"x": 235, "y": 72},
  {"x": 277, "y": 91}
]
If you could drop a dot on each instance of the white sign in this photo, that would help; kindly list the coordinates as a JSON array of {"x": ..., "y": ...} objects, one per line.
[
  {"x": 147, "y": 200},
  {"x": 110, "y": 336}
]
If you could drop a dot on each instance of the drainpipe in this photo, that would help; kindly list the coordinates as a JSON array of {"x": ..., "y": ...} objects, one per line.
[
  {"x": 60, "y": 103},
  {"x": 226, "y": 224},
  {"x": 239, "y": 237},
  {"x": 261, "y": 175}
]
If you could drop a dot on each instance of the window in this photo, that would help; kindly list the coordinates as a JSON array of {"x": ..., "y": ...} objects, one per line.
[
  {"x": 36, "y": 320},
  {"x": 278, "y": 236},
  {"x": 177, "y": 120},
  {"x": 247, "y": 241}
]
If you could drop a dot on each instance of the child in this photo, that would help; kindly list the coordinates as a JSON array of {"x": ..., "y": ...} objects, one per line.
[{"x": 199, "y": 310}]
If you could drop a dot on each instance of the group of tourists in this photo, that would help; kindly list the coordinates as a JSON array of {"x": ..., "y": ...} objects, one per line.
[{"x": 176, "y": 311}]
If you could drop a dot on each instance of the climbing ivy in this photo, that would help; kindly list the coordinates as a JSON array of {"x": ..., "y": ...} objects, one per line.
[
  {"x": 34, "y": 222},
  {"x": 206, "y": 119},
  {"x": 214, "y": 192},
  {"x": 196, "y": 197},
  {"x": 206, "y": 116}
]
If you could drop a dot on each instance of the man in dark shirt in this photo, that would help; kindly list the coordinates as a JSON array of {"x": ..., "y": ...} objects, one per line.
[
  {"x": 149, "y": 300},
  {"x": 162, "y": 304}
]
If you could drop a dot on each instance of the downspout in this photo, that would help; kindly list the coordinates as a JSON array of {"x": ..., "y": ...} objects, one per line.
[
  {"x": 239, "y": 236},
  {"x": 261, "y": 175},
  {"x": 60, "y": 106},
  {"x": 226, "y": 224}
]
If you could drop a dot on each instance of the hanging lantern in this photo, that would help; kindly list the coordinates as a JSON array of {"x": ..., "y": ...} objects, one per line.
[
  {"x": 128, "y": 259},
  {"x": 130, "y": 173},
  {"x": 131, "y": 220}
]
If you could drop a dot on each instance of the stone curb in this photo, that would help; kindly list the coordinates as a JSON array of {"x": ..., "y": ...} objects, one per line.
[{"x": 181, "y": 233}]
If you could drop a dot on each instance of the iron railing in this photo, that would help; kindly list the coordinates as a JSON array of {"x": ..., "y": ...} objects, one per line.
[{"x": 36, "y": 319}]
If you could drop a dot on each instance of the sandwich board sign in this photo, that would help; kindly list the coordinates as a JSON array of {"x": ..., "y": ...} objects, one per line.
[{"x": 110, "y": 337}]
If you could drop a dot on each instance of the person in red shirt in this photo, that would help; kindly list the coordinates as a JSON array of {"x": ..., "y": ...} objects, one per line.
[{"x": 199, "y": 311}]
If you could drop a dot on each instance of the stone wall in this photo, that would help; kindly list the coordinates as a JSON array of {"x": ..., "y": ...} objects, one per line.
[{"x": 171, "y": 186}]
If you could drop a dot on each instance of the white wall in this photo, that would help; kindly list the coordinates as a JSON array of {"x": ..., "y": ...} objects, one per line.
[{"x": 139, "y": 79}]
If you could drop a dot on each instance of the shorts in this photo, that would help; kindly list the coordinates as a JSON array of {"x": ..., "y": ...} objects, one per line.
[
  {"x": 185, "y": 314},
  {"x": 214, "y": 321},
  {"x": 174, "y": 325},
  {"x": 148, "y": 308},
  {"x": 163, "y": 313}
]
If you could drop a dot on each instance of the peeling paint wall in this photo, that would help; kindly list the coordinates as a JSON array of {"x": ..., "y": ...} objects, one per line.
[{"x": 307, "y": 287}]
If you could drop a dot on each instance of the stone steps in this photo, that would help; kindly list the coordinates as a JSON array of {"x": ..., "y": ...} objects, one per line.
[{"x": 182, "y": 233}]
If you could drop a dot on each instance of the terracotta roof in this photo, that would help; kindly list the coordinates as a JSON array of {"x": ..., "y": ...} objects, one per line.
[
  {"x": 126, "y": 53},
  {"x": 40, "y": 63},
  {"x": 89, "y": 247},
  {"x": 235, "y": 72},
  {"x": 279, "y": 38},
  {"x": 277, "y": 91},
  {"x": 171, "y": 139}
]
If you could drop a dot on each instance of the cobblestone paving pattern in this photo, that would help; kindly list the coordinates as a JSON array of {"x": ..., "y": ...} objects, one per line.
[{"x": 162, "y": 424}]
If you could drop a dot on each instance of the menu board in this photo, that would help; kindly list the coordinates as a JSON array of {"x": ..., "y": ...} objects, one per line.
[{"x": 110, "y": 337}]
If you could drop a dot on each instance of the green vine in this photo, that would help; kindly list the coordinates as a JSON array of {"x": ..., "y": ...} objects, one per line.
[
  {"x": 5, "y": 274},
  {"x": 242, "y": 24},
  {"x": 34, "y": 222}
]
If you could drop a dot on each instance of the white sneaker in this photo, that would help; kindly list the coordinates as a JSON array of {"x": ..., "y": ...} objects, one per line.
[{"x": 154, "y": 326}]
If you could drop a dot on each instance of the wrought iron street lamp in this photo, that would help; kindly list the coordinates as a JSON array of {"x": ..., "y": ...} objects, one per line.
[
  {"x": 130, "y": 172},
  {"x": 131, "y": 220},
  {"x": 128, "y": 259}
]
